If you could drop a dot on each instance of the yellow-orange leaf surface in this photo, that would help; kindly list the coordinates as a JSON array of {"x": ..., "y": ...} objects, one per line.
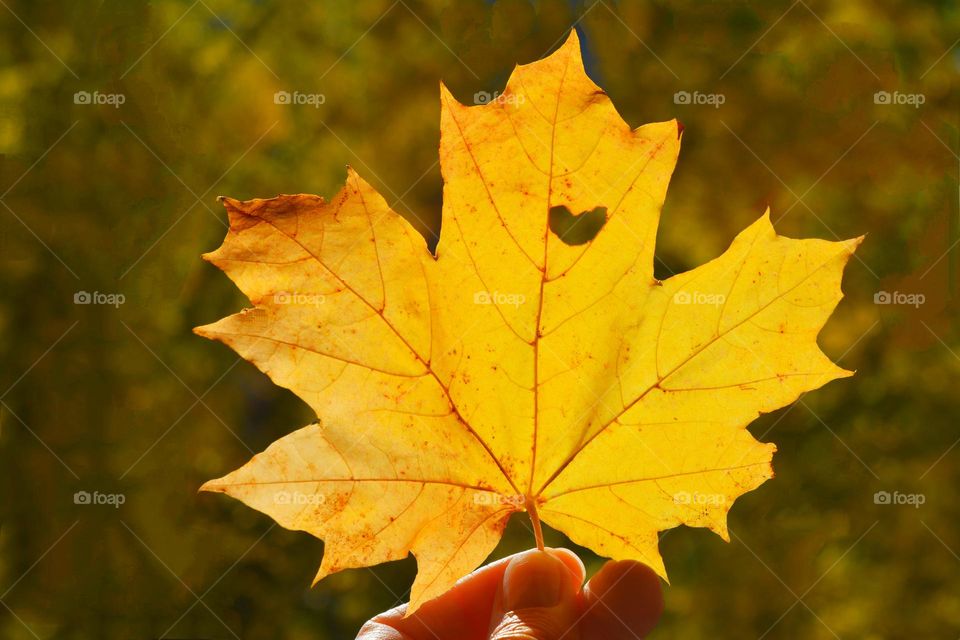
[{"x": 517, "y": 369}]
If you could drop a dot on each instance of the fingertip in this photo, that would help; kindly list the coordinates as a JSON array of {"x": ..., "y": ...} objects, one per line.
[
  {"x": 624, "y": 601},
  {"x": 571, "y": 565},
  {"x": 536, "y": 579},
  {"x": 539, "y": 597},
  {"x": 379, "y": 631},
  {"x": 571, "y": 561}
]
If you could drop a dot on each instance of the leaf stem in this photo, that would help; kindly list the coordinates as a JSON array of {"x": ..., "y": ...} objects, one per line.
[{"x": 531, "y": 506}]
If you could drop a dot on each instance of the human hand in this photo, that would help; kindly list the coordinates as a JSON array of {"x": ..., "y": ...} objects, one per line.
[{"x": 533, "y": 595}]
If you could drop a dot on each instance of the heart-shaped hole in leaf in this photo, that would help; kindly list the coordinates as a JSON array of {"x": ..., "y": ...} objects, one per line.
[{"x": 577, "y": 229}]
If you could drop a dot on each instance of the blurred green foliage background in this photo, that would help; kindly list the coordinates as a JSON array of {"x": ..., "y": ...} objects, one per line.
[{"x": 120, "y": 199}]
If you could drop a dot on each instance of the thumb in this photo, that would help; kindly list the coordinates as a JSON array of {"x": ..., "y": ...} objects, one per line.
[{"x": 537, "y": 599}]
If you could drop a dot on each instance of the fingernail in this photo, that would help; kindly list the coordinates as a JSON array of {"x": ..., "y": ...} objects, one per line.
[{"x": 533, "y": 580}]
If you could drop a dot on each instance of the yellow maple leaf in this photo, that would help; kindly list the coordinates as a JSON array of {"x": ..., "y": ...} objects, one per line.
[{"x": 534, "y": 363}]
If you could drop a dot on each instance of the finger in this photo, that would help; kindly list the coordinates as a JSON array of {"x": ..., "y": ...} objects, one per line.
[
  {"x": 623, "y": 602},
  {"x": 577, "y": 572},
  {"x": 463, "y": 612},
  {"x": 374, "y": 630},
  {"x": 538, "y": 599}
]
